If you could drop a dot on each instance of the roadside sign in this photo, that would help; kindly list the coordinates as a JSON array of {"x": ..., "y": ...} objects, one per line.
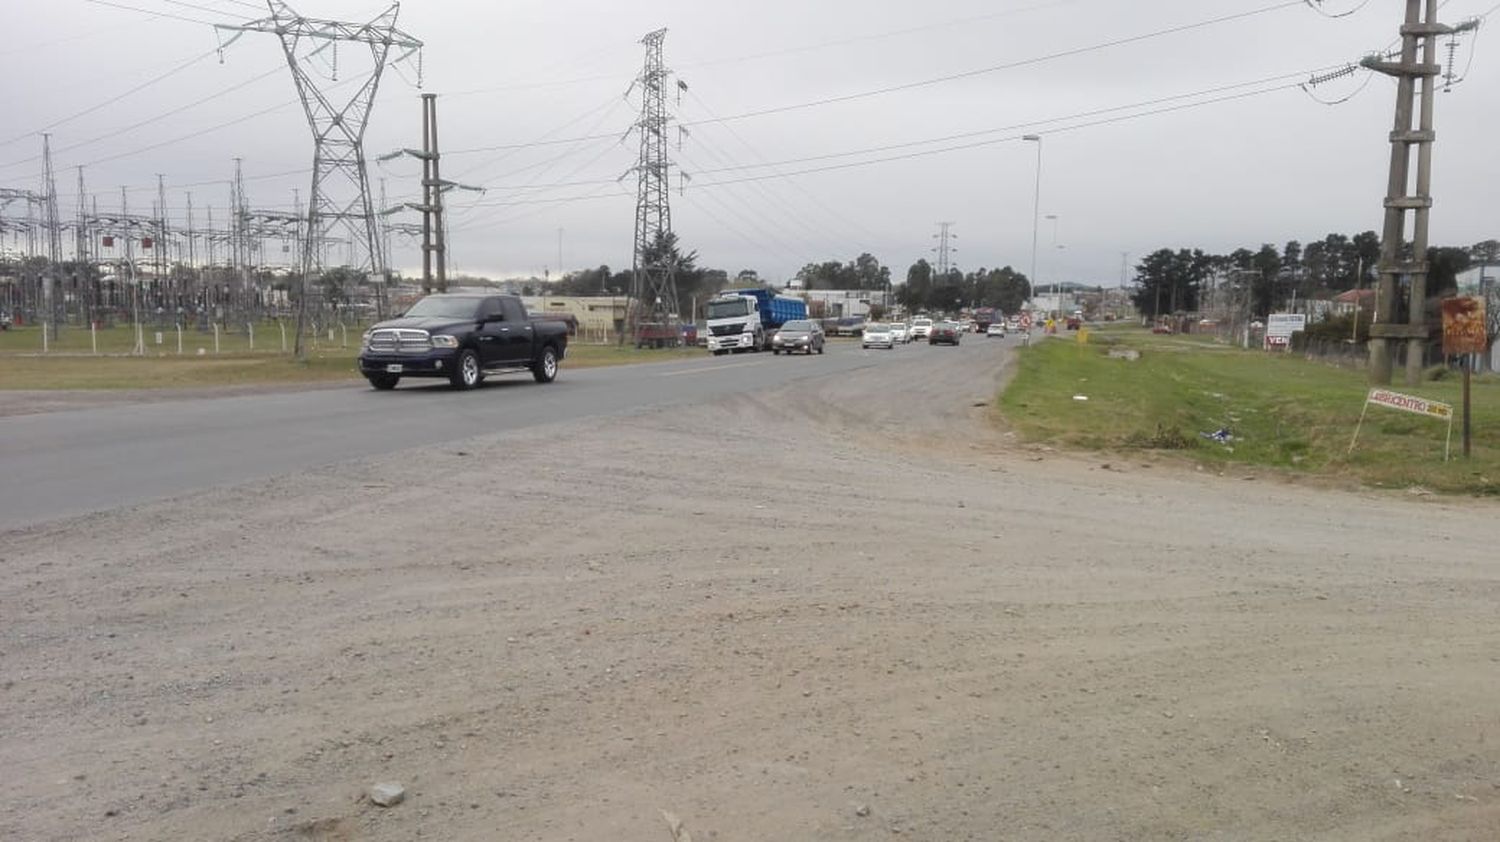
[
  {"x": 1281, "y": 326},
  {"x": 1411, "y": 403},
  {"x": 1407, "y": 403},
  {"x": 1463, "y": 326},
  {"x": 1463, "y": 335},
  {"x": 1285, "y": 324}
]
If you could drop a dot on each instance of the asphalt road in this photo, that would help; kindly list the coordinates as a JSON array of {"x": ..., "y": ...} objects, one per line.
[{"x": 62, "y": 464}]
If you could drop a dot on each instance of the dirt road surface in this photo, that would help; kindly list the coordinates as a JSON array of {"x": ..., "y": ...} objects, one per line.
[{"x": 848, "y": 609}]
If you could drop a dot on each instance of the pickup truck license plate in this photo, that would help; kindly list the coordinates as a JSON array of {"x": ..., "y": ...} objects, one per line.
[{"x": 393, "y": 368}]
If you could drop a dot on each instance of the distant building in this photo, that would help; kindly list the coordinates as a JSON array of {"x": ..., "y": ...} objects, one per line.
[
  {"x": 1349, "y": 301},
  {"x": 1469, "y": 280},
  {"x": 599, "y": 318},
  {"x": 839, "y": 303}
]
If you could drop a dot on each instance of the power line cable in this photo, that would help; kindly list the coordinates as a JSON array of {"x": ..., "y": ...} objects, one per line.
[
  {"x": 741, "y": 210},
  {"x": 833, "y": 214},
  {"x": 1011, "y": 138},
  {"x": 111, "y": 100},
  {"x": 982, "y": 71},
  {"x": 175, "y": 111},
  {"x": 152, "y": 12},
  {"x": 1317, "y": 6},
  {"x": 859, "y": 39},
  {"x": 1193, "y": 95}
]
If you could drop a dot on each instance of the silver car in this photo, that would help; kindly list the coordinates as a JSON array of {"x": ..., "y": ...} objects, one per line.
[{"x": 878, "y": 335}]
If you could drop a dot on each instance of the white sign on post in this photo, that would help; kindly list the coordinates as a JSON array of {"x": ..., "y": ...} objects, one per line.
[{"x": 1281, "y": 326}]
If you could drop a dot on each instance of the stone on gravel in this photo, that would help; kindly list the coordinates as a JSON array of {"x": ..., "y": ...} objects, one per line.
[
  {"x": 862, "y": 810},
  {"x": 387, "y": 795}
]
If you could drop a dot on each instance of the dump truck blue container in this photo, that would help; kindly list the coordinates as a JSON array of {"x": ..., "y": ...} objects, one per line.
[{"x": 775, "y": 310}]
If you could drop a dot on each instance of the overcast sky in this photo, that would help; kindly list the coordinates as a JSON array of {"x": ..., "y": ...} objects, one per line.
[{"x": 1267, "y": 167}]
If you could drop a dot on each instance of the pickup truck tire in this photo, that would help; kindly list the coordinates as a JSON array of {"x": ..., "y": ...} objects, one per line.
[
  {"x": 384, "y": 382},
  {"x": 545, "y": 369},
  {"x": 466, "y": 371}
]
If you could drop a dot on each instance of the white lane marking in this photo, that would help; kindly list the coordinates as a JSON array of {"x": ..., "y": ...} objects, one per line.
[{"x": 709, "y": 369}]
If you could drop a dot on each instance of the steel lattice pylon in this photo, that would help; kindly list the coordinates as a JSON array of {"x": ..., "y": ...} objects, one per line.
[
  {"x": 654, "y": 281},
  {"x": 340, "y": 197}
]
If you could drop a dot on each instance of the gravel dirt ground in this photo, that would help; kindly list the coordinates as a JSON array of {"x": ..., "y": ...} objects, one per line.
[{"x": 848, "y": 609}]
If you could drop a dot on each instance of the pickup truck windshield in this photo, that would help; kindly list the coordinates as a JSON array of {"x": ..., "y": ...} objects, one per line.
[
  {"x": 728, "y": 309},
  {"x": 445, "y": 308}
]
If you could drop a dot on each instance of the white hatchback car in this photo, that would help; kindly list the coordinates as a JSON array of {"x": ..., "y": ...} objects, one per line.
[
  {"x": 995, "y": 329},
  {"x": 921, "y": 329},
  {"x": 878, "y": 335},
  {"x": 900, "y": 333}
]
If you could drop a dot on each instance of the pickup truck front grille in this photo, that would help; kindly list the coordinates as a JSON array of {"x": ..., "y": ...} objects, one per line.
[{"x": 400, "y": 341}]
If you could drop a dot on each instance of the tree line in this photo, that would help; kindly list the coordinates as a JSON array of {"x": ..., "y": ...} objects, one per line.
[{"x": 1174, "y": 280}]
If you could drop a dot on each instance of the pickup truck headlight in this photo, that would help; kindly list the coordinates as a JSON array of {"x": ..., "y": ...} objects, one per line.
[
  {"x": 364, "y": 341},
  {"x": 444, "y": 341}
]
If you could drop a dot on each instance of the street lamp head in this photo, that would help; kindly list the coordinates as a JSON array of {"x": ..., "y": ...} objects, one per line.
[{"x": 1034, "y": 137}]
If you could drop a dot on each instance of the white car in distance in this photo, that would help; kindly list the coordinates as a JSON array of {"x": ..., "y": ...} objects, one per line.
[
  {"x": 995, "y": 329},
  {"x": 900, "y": 333},
  {"x": 921, "y": 329},
  {"x": 878, "y": 335}
]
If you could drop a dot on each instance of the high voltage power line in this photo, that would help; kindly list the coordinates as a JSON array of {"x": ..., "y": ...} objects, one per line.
[{"x": 1197, "y": 98}]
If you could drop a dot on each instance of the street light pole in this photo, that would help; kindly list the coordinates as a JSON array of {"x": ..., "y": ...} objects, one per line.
[
  {"x": 1036, "y": 207},
  {"x": 1056, "y": 276}
]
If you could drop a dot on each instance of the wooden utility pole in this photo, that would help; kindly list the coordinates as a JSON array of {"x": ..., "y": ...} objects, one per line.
[{"x": 1419, "y": 61}]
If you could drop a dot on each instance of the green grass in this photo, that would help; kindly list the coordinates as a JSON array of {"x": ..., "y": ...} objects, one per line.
[
  {"x": 1284, "y": 411},
  {"x": 23, "y": 366}
]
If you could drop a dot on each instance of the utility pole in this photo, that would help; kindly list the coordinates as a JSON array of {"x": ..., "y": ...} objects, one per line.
[
  {"x": 434, "y": 217},
  {"x": 434, "y": 244},
  {"x": 162, "y": 266},
  {"x": 54, "y": 239},
  {"x": 82, "y": 266},
  {"x": 1419, "y": 61},
  {"x": 241, "y": 211},
  {"x": 129, "y": 265},
  {"x": 944, "y": 236},
  {"x": 1036, "y": 204},
  {"x": 338, "y": 128},
  {"x": 192, "y": 255},
  {"x": 653, "y": 270}
]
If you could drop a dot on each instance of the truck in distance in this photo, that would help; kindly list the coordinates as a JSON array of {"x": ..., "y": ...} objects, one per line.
[{"x": 747, "y": 319}]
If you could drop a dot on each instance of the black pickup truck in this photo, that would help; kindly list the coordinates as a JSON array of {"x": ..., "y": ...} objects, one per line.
[{"x": 462, "y": 337}]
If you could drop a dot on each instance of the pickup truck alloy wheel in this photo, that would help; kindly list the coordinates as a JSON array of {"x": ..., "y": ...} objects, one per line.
[
  {"x": 545, "y": 370},
  {"x": 466, "y": 374}
]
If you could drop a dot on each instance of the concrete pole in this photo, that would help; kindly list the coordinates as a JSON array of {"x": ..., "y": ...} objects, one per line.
[
  {"x": 1395, "y": 216},
  {"x": 427, "y": 244},
  {"x": 1416, "y": 345},
  {"x": 439, "y": 226}
]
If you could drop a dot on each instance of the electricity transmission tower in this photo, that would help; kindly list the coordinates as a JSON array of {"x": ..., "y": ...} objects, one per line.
[
  {"x": 945, "y": 238},
  {"x": 654, "y": 279},
  {"x": 340, "y": 197},
  {"x": 1419, "y": 61}
]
